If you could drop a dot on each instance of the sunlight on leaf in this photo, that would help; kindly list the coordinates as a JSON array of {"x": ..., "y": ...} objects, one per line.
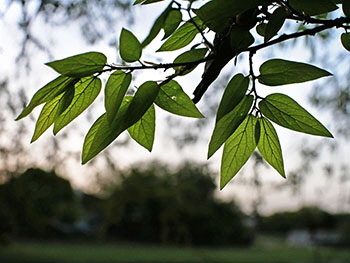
[
  {"x": 237, "y": 149},
  {"x": 275, "y": 72},
  {"x": 269, "y": 146},
  {"x": 115, "y": 90},
  {"x": 173, "y": 99},
  {"x": 143, "y": 130},
  {"x": 130, "y": 49},
  {"x": 86, "y": 92},
  {"x": 233, "y": 94},
  {"x": 47, "y": 93},
  {"x": 79, "y": 66},
  {"x": 182, "y": 36},
  {"x": 226, "y": 126},
  {"x": 102, "y": 133},
  {"x": 284, "y": 111}
]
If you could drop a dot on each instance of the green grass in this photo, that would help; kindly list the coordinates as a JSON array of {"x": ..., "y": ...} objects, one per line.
[{"x": 264, "y": 251}]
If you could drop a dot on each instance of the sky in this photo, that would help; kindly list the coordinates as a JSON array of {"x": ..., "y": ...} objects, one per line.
[{"x": 67, "y": 41}]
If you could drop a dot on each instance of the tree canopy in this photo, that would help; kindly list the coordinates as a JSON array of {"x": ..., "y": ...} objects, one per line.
[{"x": 214, "y": 33}]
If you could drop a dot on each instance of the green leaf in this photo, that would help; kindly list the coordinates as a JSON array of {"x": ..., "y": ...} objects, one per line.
[
  {"x": 313, "y": 7},
  {"x": 269, "y": 146},
  {"x": 86, "y": 91},
  {"x": 102, "y": 133},
  {"x": 189, "y": 56},
  {"x": 227, "y": 125},
  {"x": 143, "y": 99},
  {"x": 145, "y": 2},
  {"x": 116, "y": 88},
  {"x": 172, "y": 21},
  {"x": 173, "y": 99},
  {"x": 240, "y": 38},
  {"x": 345, "y": 40},
  {"x": 216, "y": 14},
  {"x": 143, "y": 130},
  {"x": 346, "y": 8},
  {"x": 182, "y": 36},
  {"x": 130, "y": 49},
  {"x": 81, "y": 65},
  {"x": 237, "y": 149},
  {"x": 275, "y": 23},
  {"x": 276, "y": 72},
  {"x": 47, "y": 93},
  {"x": 157, "y": 26},
  {"x": 261, "y": 29},
  {"x": 284, "y": 111},
  {"x": 233, "y": 94},
  {"x": 50, "y": 112}
]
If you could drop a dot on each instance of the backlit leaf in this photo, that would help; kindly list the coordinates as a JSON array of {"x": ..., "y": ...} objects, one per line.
[
  {"x": 284, "y": 111},
  {"x": 189, "y": 56},
  {"x": 47, "y": 93},
  {"x": 276, "y": 72},
  {"x": 182, "y": 36},
  {"x": 86, "y": 91},
  {"x": 143, "y": 130},
  {"x": 130, "y": 49},
  {"x": 143, "y": 99},
  {"x": 157, "y": 26},
  {"x": 345, "y": 40},
  {"x": 102, "y": 133},
  {"x": 49, "y": 113},
  {"x": 240, "y": 38},
  {"x": 146, "y": 2},
  {"x": 81, "y": 65},
  {"x": 237, "y": 149},
  {"x": 233, "y": 94},
  {"x": 172, "y": 21},
  {"x": 275, "y": 23},
  {"x": 173, "y": 99},
  {"x": 261, "y": 29},
  {"x": 346, "y": 7},
  {"x": 115, "y": 90},
  {"x": 269, "y": 146},
  {"x": 216, "y": 14},
  {"x": 313, "y": 7},
  {"x": 227, "y": 125}
]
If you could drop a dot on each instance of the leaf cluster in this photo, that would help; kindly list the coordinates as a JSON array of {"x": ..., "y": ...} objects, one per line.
[{"x": 244, "y": 119}]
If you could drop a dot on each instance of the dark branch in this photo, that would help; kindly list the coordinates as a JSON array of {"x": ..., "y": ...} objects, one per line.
[{"x": 339, "y": 22}]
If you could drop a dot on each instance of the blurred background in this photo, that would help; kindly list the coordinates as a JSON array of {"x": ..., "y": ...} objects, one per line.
[{"x": 128, "y": 204}]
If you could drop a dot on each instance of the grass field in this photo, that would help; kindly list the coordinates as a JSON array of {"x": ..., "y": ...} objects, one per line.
[{"x": 266, "y": 250}]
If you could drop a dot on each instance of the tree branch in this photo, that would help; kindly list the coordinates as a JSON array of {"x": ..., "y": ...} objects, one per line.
[
  {"x": 339, "y": 22},
  {"x": 164, "y": 66}
]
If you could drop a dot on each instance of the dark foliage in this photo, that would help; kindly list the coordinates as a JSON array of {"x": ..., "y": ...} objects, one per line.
[
  {"x": 32, "y": 202},
  {"x": 173, "y": 208}
]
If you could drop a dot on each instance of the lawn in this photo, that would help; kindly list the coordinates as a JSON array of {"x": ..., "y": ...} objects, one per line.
[{"x": 75, "y": 252}]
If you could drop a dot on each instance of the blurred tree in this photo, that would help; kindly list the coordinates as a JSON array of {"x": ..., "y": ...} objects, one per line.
[
  {"x": 307, "y": 218},
  {"x": 179, "y": 207},
  {"x": 34, "y": 201}
]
